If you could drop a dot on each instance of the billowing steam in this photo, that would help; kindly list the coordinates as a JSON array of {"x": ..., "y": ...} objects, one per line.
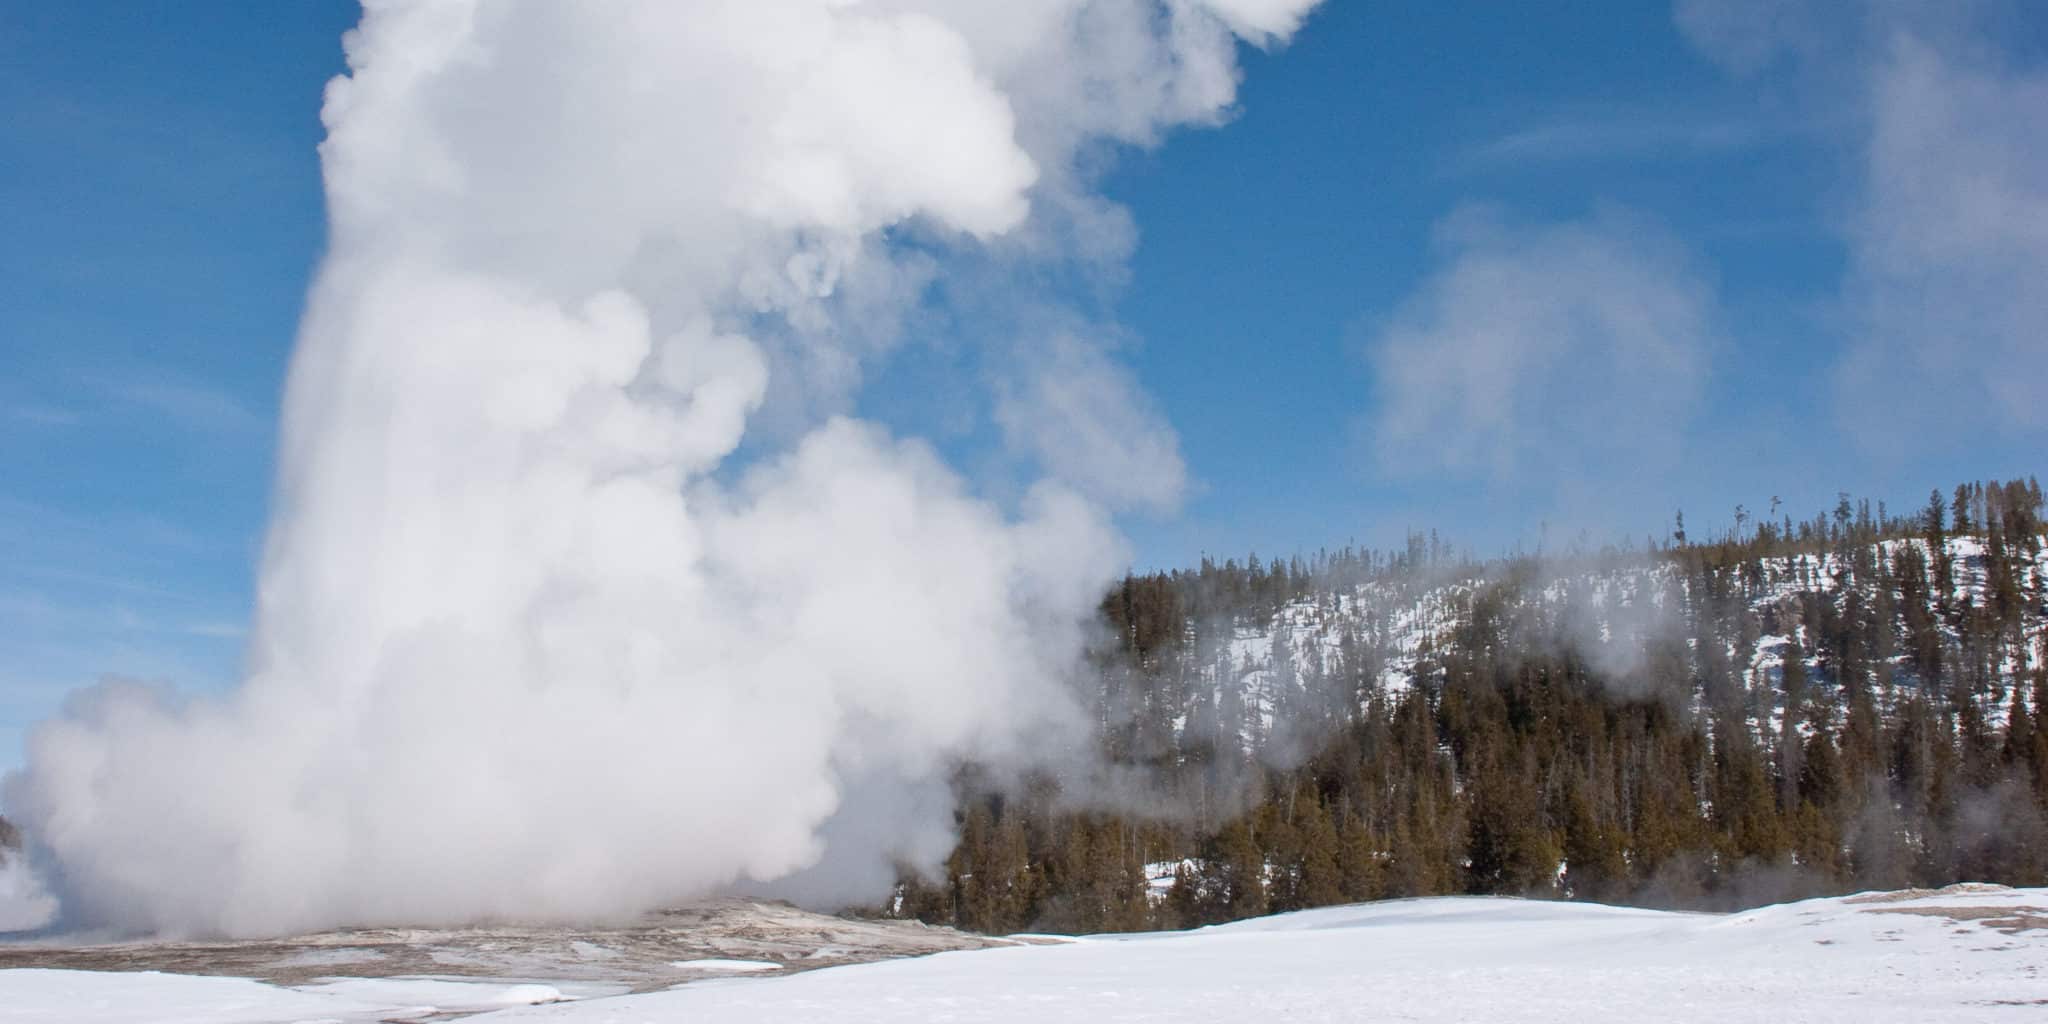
[{"x": 531, "y": 642}]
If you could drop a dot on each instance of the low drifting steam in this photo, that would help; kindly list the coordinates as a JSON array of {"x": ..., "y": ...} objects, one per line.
[{"x": 531, "y": 641}]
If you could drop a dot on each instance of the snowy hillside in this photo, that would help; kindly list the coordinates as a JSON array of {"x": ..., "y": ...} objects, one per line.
[
  {"x": 1376, "y": 637},
  {"x": 1790, "y": 711},
  {"x": 1970, "y": 953}
]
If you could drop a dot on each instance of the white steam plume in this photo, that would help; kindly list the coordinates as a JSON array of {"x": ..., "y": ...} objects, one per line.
[{"x": 529, "y": 642}]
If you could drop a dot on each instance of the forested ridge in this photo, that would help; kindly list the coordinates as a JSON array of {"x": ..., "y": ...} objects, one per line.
[{"x": 1792, "y": 707}]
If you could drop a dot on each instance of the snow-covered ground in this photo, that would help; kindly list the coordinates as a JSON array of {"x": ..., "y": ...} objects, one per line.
[
  {"x": 1971, "y": 953},
  {"x": 1606, "y": 609},
  {"x": 92, "y": 997}
]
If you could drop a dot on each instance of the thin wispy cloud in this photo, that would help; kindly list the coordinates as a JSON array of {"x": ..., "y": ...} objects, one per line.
[
  {"x": 134, "y": 610},
  {"x": 110, "y": 583},
  {"x": 1947, "y": 230},
  {"x": 1547, "y": 357},
  {"x": 183, "y": 402},
  {"x": 216, "y": 630},
  {"x": 1610, "y": 134},
  {"x": 1949, "y": 245},
  {"x": 37, "y": 414},
  {"x": 166, "y": 398},
  {"x": 60, "y": 535}
]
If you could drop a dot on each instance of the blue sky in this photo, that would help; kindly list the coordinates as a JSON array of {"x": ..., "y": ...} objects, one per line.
[{"x": 1407, "y": 286}]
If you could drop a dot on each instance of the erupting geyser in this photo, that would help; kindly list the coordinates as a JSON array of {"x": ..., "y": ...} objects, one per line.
[{"x": 527, "y": 645}]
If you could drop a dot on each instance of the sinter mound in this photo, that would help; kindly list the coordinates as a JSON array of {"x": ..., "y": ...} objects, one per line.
[{"x": 652, "y": 954}]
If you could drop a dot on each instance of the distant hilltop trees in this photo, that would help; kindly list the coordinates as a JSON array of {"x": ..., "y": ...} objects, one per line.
[{"x": 1853, "y": 701}]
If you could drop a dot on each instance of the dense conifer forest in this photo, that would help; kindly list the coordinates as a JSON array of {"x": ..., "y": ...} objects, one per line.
[{"x": 1792, "y": 708}]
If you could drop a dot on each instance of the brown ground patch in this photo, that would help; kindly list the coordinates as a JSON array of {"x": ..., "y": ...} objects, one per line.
[
  {"x": 1902, "y": 895},
  {"x": 641, "y": 956},
  {"x": 2011, "y": 920}
]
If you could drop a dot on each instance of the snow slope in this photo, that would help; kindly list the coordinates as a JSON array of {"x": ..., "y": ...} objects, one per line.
[
  {"x": 147, "y": 997},
  {"x": 1605, "y": 608},
  {"x": 1964, "y": 954},
  {"x": 1448, "y": 959}
]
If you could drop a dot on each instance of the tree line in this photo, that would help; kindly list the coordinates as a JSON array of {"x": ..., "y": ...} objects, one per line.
[{"x": 1853, "y": 701}]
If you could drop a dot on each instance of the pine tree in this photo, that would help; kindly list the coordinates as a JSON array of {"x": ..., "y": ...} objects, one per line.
[
  {"x": 1793, "y": 681},
  {"x": 1358, "y": 862},
  {"x": 2040, "y": 730},
  {"x": 1818, "y": 839},
  {"x": 1596, "y": 865},
  {"x": 1322, "y": 876},
  {"x": 1244, "y": 871},
  {"x": 1933, "y": 523},
  {"x": 2018, "y": 748}
]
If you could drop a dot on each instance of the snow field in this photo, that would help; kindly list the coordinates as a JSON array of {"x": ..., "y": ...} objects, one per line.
[{"x": 1963, "y": 954}]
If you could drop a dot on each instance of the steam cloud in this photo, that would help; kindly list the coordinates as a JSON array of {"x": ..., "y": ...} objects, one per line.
[
  {"x": 1611, "y": 309},
  {"x": 531, "y": 641},
  {"x": 1947, "y": 229}
]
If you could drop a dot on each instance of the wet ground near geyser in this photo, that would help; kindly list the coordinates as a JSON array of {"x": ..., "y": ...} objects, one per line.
[{"x": 653, "y": 953}]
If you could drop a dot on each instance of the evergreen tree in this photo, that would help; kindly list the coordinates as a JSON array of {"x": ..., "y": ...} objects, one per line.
[
  {"x": 1322, "y": 874},
  {"x": 1903, "y": 739}
]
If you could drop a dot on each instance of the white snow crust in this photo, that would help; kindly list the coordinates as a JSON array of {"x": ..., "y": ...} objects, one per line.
[
  {"x": 1965, "y": 954},
  {"x": 729, "y": 966}
]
